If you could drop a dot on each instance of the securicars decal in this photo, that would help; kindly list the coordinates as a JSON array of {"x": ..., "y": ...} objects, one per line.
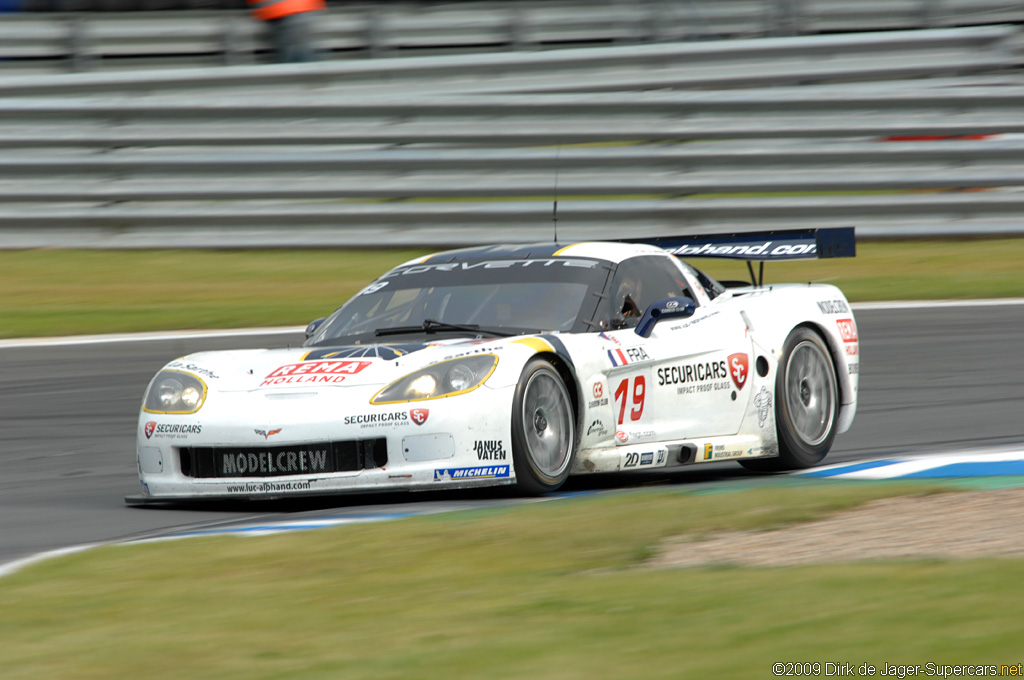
[
  {"x": 170, "y": 431},
  {"x": 453, "y": 474},
  {"x": 700, "y": 376},
  {"x": 313, "y": 372},
  {"x": 382, "y": 419}
]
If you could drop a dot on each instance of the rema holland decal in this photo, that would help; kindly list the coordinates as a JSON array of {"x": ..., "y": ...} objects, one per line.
[{"x": 313, "y": 372}]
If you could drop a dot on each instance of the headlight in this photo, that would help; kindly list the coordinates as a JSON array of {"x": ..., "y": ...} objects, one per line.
[
  {"x": 444, "y": 379},
  {"x": 174, "y": 392}
]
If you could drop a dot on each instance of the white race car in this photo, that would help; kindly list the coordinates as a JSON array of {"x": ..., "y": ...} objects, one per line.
[{"x": 519, "y": 364}]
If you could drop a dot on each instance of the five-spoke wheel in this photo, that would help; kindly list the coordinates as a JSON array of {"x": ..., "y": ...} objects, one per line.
[{"x": 543, "y": 429}]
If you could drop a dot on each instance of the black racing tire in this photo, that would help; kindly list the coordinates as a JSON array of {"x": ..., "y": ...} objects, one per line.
[
  {"x": 543, "y": 429},
  {"x": 806, "y": 404}
]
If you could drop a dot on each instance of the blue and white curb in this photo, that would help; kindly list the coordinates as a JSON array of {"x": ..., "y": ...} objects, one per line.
[{"x": 980, "y": 463}]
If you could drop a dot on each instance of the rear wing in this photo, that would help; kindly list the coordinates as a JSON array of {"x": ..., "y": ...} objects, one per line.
[{"x": 761, "y": 246}]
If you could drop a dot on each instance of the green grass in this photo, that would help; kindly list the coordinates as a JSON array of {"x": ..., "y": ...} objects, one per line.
[
  {"x": 68, "y": 292},
  {"x": 548, "y": 590}
]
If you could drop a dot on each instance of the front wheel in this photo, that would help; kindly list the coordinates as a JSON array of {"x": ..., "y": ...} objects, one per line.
[
  {"x": 806, "y": 404},
  {"x": 543, "y": 429}
]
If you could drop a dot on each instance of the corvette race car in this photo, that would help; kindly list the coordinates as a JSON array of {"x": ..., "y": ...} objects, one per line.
[{"x": 520, "y": 364}]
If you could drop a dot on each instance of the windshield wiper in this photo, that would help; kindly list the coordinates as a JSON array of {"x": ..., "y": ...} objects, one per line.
[{"x": 432, "y": 326}]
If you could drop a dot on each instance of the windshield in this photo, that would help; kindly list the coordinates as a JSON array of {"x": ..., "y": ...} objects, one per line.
[{"x": 491, "y": 297}]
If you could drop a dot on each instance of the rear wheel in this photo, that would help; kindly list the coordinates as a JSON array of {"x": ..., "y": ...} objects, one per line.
[
  {"x": 543, "y": 429},
  {"x": 806, "y": 404}
]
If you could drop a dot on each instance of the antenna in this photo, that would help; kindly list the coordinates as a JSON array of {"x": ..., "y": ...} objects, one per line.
[{"x": 554, "y": 209}]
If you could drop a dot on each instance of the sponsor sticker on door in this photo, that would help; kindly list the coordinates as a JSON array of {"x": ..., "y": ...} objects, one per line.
[{"x": 739, "y": 369}]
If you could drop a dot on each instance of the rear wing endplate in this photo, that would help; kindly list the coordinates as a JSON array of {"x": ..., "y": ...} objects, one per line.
[{"x": 761, "y": 246}]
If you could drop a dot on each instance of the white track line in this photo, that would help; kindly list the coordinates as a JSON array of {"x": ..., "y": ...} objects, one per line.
[
  {"x": 931, "y": 304},
  {"x": 261, "y": 529},
  {"x": 16, "y": 565},
  {"x": 240, "y": 332},
  {"x": 146, "y": 337}
]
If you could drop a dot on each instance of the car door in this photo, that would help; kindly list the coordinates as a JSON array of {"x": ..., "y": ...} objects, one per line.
[
  {"x": 689, "y": 378},
  {"x": 700, "y": 382}
]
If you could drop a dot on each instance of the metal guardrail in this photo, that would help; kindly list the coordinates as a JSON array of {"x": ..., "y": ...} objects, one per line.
[
  {"x": 268, "y": 107},
  {"x": 87, "y": 41},
  {"x": 389, "y": 196},
  {"x": 631, "y": 182},
  {"x": 733, "y": 63},
  {"x": 683, "y": 160},
  {"x": 315, "y": 155},
  {"x": 509, "y": 120}
]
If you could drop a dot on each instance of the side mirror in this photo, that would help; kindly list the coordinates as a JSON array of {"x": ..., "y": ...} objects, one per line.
[
  {"x": 665, "y": 308},
  {"x": 313, "y": 326}
]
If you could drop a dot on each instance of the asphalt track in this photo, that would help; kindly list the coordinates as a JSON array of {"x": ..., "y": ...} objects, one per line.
[{"x": 935, "y": 379}]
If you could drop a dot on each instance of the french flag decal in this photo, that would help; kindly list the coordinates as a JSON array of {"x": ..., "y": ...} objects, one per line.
[{"x": 617, "y": 357}]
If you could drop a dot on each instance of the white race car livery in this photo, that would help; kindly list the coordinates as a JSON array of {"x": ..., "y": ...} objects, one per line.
[{"x": 520, "y": 364}]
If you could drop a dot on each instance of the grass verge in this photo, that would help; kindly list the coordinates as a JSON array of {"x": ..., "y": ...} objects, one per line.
[
  {"x": 549, "y": 590},
  {"x": 69, "y": 292}
]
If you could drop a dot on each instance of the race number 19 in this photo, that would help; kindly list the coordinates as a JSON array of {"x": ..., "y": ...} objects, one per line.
[{"x": 622, "y": 394}]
